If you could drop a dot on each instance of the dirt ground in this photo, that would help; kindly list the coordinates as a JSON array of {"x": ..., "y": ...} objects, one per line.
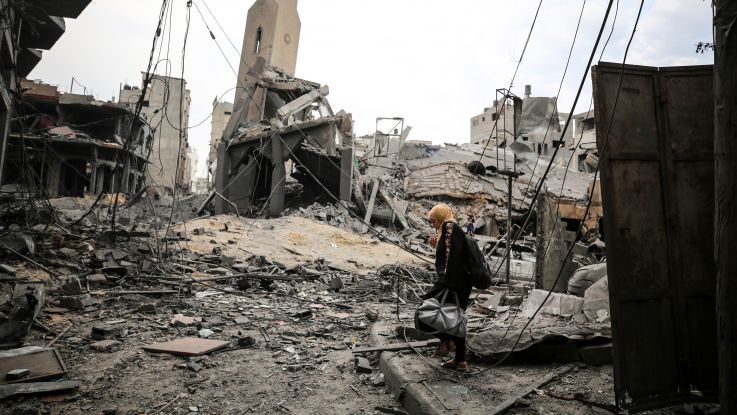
[
  {"x": 291, "y": 241},
  {"x": 297, "y": 366}
]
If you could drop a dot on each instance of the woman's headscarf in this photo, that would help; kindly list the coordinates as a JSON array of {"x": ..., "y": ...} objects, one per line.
[{"x": 441, "y": 212}]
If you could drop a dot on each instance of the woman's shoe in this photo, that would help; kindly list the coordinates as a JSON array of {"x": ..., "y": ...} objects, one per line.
[
  {"x": 444, "y": 348},
  {"x": 459, "y": 366}
]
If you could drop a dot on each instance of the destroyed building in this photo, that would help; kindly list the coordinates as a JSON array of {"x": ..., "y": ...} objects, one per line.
[
  {"x": 221, "y": 112},
  {"x": 277, "y": 118},
  {"x": 69, "y": 144},
  {"x": 166, "y": 108},
  {"x": 28, "y": 28}
]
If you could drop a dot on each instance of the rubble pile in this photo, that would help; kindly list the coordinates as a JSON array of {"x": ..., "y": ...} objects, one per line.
[{"x": 78, "y": 292}]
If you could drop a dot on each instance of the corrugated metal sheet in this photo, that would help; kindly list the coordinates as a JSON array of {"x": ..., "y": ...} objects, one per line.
[{"x": 658, "y": 196}]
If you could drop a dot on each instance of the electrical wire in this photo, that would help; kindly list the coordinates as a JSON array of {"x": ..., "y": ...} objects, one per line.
[{"x": 588, "y": 205}]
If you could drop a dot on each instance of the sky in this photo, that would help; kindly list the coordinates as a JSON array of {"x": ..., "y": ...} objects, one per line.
[{"x": 434, "y": 63}]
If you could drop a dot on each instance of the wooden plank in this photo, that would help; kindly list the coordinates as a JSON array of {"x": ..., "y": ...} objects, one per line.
[
  {"x": 504, "y": 406},
  {"x": 43, "y": 364},
  {"x": 370, "y": 207},
  {"x": 187, "y": 346},
  {"x": 7, "y": 391},
  {"x": 396, "y": 346}
]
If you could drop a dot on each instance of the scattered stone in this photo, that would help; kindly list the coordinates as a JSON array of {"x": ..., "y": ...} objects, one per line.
[
  {"x": 17, "y": 374},
  {"x": 147, "y": 308},
  {"x": 96, "y": 280},
  {"x": 378, "y": 380},
  {"x": 180, "y": 320},
  {"x": 7, "y": 269},
  {"x": 246, "y": 341},
  {"x": 105, "y": 332},
  {"x": 372, "y": 315},
  {"x": 336, "y": 283},
  {"x": 72, "y": 286},
  {"x": 104, "y": 345},
  {"x": 198, "y": 231},
  {"x": 75, "y": 302},
  {"x": 523, "y": 402},
  {"x": 363, "y": 365},
  {"x": 205, "y": 333}
]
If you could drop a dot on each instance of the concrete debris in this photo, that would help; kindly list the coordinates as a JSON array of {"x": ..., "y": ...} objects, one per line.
[
  {"x": 557, "y": 304},
  {"x": 596, "y": 301}
]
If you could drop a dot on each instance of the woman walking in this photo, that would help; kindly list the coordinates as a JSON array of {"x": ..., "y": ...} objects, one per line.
[{"x": 450, "y": 247}]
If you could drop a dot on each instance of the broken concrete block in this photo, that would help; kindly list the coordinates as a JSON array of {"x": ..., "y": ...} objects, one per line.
[
  {"x": 219, "y": 271},
  {"x": 72, "y": 286},
  {"x": 198, "y": 231},
  {"x": 105, "y": 332},
  {"x": 557, "y": 304},
  {"x": 205, "y": 333},
  {"x": 75, "y": 302},
  {"x": 96, "y": 280},
  {"x": 147, "y": 308},
  {"x": 378, "y": 380},
  {"x": 7, "y": 269},
  {"x": 363, "y": 365},
  {"x": 246, "y": 341},
  {"x": 180, "y": 320},
  {"x": 336, "y": 283},
  {"x": 104, "y": 345},
  {"x": 16, "y": 374}
]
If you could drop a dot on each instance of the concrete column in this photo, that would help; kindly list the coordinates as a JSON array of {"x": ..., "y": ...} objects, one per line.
[
  {"x": 100, "y": 181},
  {"x": 346, "y": 173},
  {"x": 278, "y": 177},
  {"x": 243, "y": 187},
  {"x": 93, "y": 178},
  {"x": 53, "y": 177},
  {"x": 126, "y": 175},
  {"x": 221, "y": 175}
]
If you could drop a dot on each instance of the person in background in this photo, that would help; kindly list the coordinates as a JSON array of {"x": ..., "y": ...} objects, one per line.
[
  {"x": 471, "y": 226},
  {"x": 450, "y": 246}
]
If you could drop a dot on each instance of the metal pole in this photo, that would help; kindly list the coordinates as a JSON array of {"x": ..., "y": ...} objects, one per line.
[
  {"x": 511, "y": 175},
  {"x": 509, "y": 228}
]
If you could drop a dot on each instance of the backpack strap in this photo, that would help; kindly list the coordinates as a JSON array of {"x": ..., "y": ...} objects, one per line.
[{"x": 448, "y": 233}]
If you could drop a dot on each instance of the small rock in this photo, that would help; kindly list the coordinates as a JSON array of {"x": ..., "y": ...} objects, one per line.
[
  {"x": 523, "y": 402},
  {"x": 7, "y": 269},
  {"x": 205, "y": 333},
  {"x": 363, "y": 365},
  {"x": 75, "y": 302},
  {"x": 180, "y": 320},
  {"x": 72, "y": 286},
  {"x": 147, "y": 308},
  {"x": 96, "y": 280},
  {"x": 17, "y": 374},
  {"x": 378, "y": 380},
  {"x": 105, "y": 332},
  {"x": 104, "y": 345},
  {"x": 246, "y": 341}
]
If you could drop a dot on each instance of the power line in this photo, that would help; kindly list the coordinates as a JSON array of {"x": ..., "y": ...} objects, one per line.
[{"x": 588, "y": 205}]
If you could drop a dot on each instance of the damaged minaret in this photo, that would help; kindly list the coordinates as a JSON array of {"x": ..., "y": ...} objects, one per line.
[{"x": 277, "y": 118}]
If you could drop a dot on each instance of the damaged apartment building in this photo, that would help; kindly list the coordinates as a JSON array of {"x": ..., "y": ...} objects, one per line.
[
  {"x": 66, "y": 144},
  {"x": 29, "y": 27},
  {"x": 278, "y": 118}
]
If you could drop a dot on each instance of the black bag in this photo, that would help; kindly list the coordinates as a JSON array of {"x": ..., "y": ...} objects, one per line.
[{"x": 477, "y": 267}]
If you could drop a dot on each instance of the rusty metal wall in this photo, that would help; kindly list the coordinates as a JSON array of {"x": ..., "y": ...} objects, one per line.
[{"x": 658, "y": 194}]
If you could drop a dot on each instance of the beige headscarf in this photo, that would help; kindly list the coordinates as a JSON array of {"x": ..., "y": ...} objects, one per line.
[{"x": 442, "y": 213}]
